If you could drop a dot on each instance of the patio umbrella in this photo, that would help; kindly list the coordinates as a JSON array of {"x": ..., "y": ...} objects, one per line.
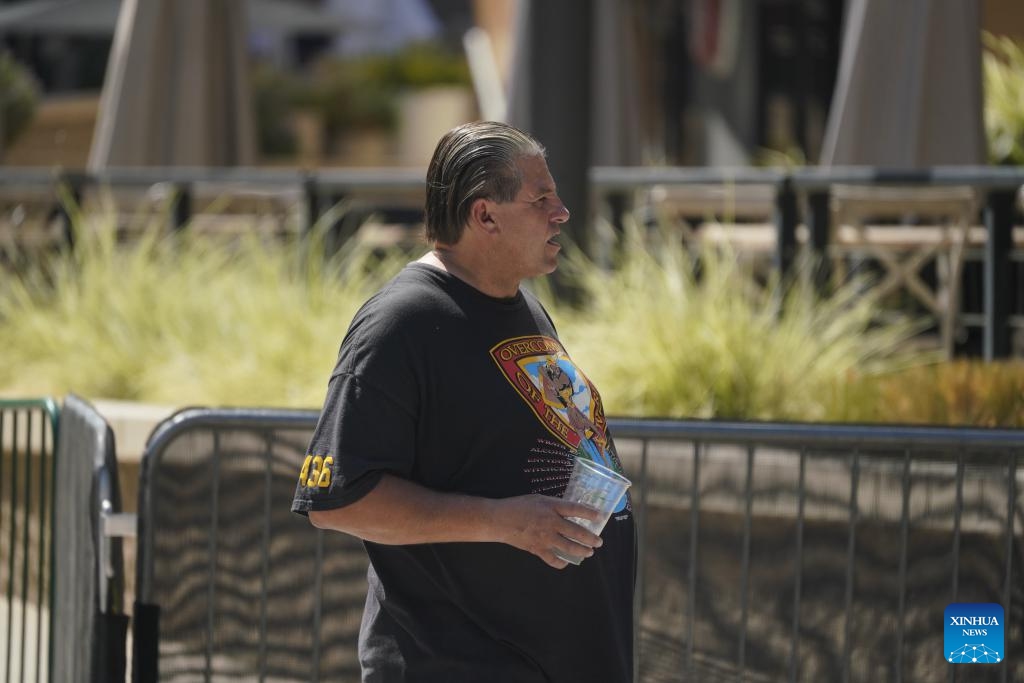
[
  {"x": 908, "y": 92},
  {"x": 99, "y": 17},
  {"x": 615, "y": 136},
  {"x": 176, "y": 91},
  {"x": 574, "y": 86}
]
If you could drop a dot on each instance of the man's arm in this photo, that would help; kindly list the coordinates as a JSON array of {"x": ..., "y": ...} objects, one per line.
[{"x": 400, "y": 512}]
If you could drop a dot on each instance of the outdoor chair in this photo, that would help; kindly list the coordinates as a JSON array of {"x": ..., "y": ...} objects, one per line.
[{"x": 862, "y": 230}]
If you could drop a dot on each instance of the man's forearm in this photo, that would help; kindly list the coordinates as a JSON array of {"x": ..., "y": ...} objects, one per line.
[
  {"x": 402, "y": 512},
  {"x": 399, "y": 512}
]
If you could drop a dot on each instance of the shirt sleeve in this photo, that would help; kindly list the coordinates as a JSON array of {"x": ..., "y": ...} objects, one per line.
[{"x": 367, "y": 426}]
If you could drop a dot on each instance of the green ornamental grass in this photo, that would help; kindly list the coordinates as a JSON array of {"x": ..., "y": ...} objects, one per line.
[
  {"x": 670, "y": 333},
  {"x": 182, "y": 319},
  {"x": 1003, "y": 71},
  {"x": 185, "y": 319}
]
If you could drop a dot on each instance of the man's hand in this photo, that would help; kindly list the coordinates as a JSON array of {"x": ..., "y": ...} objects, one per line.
[{"x": 538, "y": 525}]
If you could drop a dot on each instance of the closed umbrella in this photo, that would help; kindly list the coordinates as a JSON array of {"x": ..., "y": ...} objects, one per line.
[
  {"x": 908, "y": 95},
  {"x": 908, "y": 92},
  {"x": 574, "y": 86},
  {"x": 99, "y": 17},
  {"x": 176, "y": 91}
]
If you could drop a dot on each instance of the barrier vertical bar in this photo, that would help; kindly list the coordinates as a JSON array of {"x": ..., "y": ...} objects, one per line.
[
  {"x": 745, "y": 561},
  {"x": 1011, "y": 511},
  {"x": 318, "y": 583},
  {"x": 41, "y": 552},
  {"x": 999, "y": 209},
  {"x": 957, "y": 513},
  {"x": 52, "y": 412},
  {"x": 694, "y": 531},
  {"x": 641, "y": 565},
  {"x": 214, "y": 526},
  {"x": 26, "y": 553},
  {"x": 851, "y": 556},
  {"x": 12, "y": 545},
  {"x": 904, "y": 537},
  {"x": 268, "y": 484},
  {"x": 794, "y": 650}
]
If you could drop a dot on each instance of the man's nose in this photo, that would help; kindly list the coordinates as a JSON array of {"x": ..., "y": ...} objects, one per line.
[{"x": 561, "y": 213}]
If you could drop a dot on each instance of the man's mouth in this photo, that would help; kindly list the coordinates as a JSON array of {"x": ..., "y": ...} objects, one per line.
[{"x": 554, "y": 241}]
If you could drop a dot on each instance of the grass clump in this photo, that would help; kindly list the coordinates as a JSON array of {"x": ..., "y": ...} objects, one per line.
[
  {"x": 668, "y": 334},
  {"x": 960, "y": 392},
  {"x": 1003, "y": 71},
  {"x": 182, "y": 319}
]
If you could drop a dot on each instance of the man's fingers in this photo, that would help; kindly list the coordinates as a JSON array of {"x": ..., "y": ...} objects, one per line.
[
  {"x": 565, "y": 548},
  {"x": 570, "y": 509},
  {"x": 580, "y": 534},
  {"x": 553, "y": 560}
]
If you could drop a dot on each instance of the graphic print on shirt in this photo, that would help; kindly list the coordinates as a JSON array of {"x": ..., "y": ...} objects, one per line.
[{"x": 560, "y": 395}]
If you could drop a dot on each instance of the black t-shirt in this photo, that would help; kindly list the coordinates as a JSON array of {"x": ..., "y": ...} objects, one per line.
[{"x": 459, "y": 391}]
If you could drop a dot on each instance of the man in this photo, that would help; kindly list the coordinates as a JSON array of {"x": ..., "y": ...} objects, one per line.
[{"x": 438, "y": 447}]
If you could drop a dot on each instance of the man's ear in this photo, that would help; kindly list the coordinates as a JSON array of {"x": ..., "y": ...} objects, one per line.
[{"x": 481, "y": 214}]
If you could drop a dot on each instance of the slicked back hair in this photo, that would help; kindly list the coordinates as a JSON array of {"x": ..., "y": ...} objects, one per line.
[{"x": 473, "y": 161}]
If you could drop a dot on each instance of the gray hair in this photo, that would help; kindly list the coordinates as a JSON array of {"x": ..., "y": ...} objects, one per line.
[{"x": 473, "y": 161}]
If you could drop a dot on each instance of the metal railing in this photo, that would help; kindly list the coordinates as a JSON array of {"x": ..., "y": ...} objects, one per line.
[
  {"x": 767, "y": 551},
  {"x": 89, "y": 622},
  {"x": 801, "y": 195},
  {"x": 215, "y": 525},
  {"x": 28, "y": 433},
  {"x": 865, "y": 532}
]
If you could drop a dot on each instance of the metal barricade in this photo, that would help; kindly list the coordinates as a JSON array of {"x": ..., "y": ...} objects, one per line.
[
  {"x": 792, "y": 552},
  {"x": 28, "y": 429},
  {"x": 89, "y": 623},
  {"x": 230, "y": 583},
  {"x": 768, "y": 552}
]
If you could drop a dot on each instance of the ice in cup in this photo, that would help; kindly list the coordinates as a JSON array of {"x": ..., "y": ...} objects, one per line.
[{"x": 597, "y": 487}]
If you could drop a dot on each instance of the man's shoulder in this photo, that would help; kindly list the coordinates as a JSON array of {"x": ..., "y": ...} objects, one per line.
[
  {"x": 407, "y": 300},
  {"x": 413, "y": 289}
]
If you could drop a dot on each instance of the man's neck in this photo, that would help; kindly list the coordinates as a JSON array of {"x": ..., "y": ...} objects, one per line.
[{"x": 472, "y": 271}]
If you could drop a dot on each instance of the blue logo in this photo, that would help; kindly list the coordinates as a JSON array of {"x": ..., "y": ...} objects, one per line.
[{"x": 974, "y": 633}]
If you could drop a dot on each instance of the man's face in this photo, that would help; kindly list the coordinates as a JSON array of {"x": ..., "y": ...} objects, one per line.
[{"x": 531, "y": 222}]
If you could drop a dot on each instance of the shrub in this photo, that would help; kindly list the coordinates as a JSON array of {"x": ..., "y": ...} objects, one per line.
[
  {"x": 667, "y": 334},
  {"x": 1003, "y": 67},
  {"x": 180, "y": 320},
  {"x": 20, "y": 97},
  {"x": 962, "y": 392}
]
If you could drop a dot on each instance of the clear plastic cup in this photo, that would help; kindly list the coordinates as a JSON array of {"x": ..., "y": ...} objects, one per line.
[{"x": 597, "y": 487}]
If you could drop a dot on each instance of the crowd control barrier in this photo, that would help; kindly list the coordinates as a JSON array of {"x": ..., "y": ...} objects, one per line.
[
  {"x": 767, "y": 551},
  {"x": 28, "y": 431},
  {"x": 229, "y": 582},
  {"x": 794, "y": 552},
  {"x": 90, "y": 624}
]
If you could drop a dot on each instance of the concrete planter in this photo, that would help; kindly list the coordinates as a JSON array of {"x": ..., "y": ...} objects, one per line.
[{"x": 424, "y": 115}]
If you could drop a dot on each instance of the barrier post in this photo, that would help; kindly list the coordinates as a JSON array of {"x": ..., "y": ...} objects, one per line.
[
  {"x": 786, "y": 217},
  {"x": 819, "y": 225},
  {"x": 998, "y": 243}
]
